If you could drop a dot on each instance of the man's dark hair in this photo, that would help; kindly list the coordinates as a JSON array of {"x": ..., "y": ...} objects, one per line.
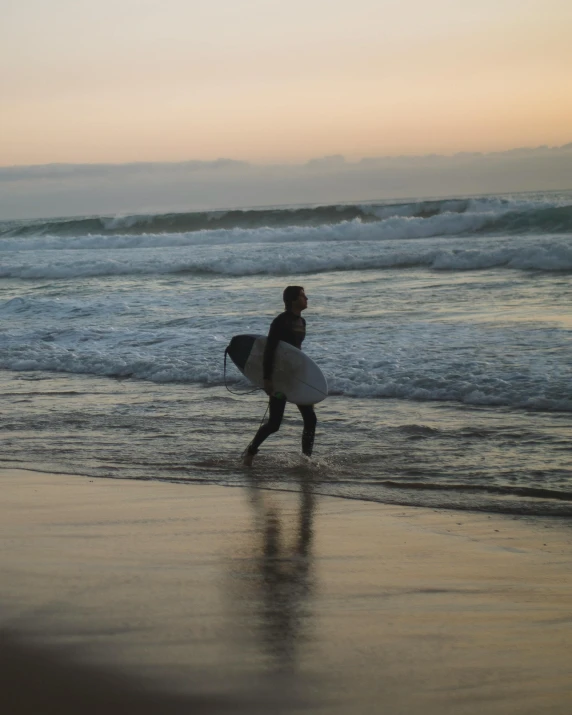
[{"x": 290, "y": 294}]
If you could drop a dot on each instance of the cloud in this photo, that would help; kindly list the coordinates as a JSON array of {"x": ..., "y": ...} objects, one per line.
[
  {"x": 86, "y": 189},
  {"x": 62, "y": 171},
  {"x": 335, "y": 161}
]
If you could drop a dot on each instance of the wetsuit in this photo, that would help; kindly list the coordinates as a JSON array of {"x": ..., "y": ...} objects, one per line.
[{"x": 290, "y": 328}]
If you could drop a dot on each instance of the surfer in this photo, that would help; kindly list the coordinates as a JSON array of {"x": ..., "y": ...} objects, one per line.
[{"x": 290, "y": 327}]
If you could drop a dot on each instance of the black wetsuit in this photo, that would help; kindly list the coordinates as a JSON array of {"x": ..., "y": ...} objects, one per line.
[{"x": 290, "y": 328}]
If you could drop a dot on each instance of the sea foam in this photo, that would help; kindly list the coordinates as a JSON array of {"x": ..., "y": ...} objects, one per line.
[{"x": 532, "y": 254}]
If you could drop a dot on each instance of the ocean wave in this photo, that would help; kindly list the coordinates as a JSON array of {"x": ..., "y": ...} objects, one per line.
[
  {"x": 167, "y": 359},
  {"x": 474, "y": 391},
  {"x": 392, "y": 229},
  {"x": 542, "y": 255},
  {"x": 240, "y": 218},
  {"x": 484, "y": 215}
]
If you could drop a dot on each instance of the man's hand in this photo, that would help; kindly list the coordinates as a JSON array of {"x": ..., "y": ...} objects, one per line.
[{"x": 268, "y": 387}]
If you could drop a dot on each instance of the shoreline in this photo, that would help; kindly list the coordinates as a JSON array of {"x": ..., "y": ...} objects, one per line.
[
  {"x": 429, "y": 454},
  {"x": 247, "y": 598}
]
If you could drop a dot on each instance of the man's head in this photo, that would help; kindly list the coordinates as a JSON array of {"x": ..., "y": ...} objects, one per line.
[{"x": 295, "y": 299}]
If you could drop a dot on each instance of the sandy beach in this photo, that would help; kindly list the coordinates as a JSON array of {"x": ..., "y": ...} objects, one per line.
[{"x": 137, "y": 596}]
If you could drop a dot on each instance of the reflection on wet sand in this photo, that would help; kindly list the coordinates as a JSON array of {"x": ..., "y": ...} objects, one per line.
[{"x": 278, "y": 570}]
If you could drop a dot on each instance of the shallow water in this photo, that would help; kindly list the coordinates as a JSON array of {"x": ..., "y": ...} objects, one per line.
[{"x": 394, "y": 451}]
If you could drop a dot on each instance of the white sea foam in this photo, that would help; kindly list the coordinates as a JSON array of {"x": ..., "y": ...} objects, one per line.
[
  {"x": 533, "y": 253},
  {"x": 171, "y": 364},
  {"x": 548, "y": 256}
]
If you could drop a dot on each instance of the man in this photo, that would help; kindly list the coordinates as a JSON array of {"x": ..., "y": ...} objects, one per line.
[{"x": 290, "y": 327}]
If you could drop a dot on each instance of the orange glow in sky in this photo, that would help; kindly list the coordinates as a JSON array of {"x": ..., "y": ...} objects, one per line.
[{"x": 134, "y": 80}]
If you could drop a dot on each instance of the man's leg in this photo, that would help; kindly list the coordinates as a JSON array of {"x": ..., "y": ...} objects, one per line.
[
  {"x": 310, "y": 421},
  {"x": 276, "y": 406}
]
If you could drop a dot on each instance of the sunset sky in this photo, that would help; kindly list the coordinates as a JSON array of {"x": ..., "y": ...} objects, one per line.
[{"x": 268, "y": 81}]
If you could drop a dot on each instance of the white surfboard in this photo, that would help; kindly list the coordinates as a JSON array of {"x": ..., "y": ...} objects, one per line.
[{"x": 294, "y": 374}]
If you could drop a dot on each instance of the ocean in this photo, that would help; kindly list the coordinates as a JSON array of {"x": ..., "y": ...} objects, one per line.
[{"x": 444, "y": 329}]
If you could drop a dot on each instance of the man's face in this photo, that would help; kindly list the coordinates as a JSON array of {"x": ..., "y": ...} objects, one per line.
[{"x": 301, "y": 302}]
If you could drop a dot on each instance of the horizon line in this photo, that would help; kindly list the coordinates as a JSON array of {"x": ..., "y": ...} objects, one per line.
[{"x": 333, "y": 160}]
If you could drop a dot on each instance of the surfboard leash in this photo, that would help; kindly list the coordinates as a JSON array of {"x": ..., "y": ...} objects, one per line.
[{"x": 248, "y": 392}]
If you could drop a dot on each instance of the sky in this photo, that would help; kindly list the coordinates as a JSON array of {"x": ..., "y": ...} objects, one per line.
[{"x": 270, "y": 81}]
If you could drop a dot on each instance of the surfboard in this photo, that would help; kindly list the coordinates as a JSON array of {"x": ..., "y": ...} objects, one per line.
[{"x": 295, "y": 374}]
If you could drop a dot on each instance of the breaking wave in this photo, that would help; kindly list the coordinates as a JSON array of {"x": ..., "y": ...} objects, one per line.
[
  {"x": 543, "y": 254},
  {"x": 475, "y": 215}
]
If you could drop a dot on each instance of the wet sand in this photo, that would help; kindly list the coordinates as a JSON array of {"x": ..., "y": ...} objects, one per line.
[{"x": 145, "y": 597}]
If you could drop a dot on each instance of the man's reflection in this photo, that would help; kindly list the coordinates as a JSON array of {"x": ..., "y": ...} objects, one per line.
[{"x": 282, "y": 570}]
